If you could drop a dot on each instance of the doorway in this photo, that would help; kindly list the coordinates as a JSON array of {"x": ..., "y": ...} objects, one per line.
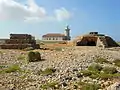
[{"x": 91, "y": 43}]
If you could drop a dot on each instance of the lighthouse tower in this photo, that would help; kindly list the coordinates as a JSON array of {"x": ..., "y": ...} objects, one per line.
[{"x": 67, "y": 33}]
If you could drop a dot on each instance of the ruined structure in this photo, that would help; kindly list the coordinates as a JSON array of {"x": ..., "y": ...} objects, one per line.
[
  {"x": 94, "y": 39},
  {"x": 19, "y": 41}
]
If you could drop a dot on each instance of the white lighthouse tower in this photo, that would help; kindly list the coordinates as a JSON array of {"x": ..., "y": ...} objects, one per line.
[{"x": 67, "y": 33}]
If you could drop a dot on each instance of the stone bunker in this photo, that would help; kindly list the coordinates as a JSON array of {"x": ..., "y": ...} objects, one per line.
[{"x": 94, "y": 39}]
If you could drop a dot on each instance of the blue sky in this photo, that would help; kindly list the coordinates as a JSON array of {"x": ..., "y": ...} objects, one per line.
[{"x": 82, "y": 15}]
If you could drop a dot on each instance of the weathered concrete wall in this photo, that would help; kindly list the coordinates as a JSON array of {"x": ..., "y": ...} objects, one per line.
[
  {"x": 105, "y": 41},
  {"x": 111, "y": 42}
]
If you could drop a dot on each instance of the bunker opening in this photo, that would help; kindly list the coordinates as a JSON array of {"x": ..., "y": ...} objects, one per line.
[
  {"x": 91, "y": 43},
  {"x": 86, "y": 41}
]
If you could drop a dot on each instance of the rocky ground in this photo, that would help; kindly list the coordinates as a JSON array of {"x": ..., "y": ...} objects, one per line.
[{"x": 67, "y": 62}]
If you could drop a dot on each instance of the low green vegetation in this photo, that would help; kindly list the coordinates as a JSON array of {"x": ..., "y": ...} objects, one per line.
[
  {"x": 12, "y": 68},
  {"x": 105, "y": 76},
  {"x": 21, "y": 57},
  {"x": 1, "y": 52},
  {"x": 3, "y": 66},
  {"x": 93, "y": 71},
  {"x": 117, "y": 62},
  {"x": 109, "y": 70},
  {"x": 47, "y": 71},
  {"x": 91, "y": 74},
  {"x": 22, "y": 76},
  {"x": 95, "y": 67},
  {"x": 86, "y": 73},
  {"x": 50, "y": 85},
  {"x": 101, "y": 61},
  {"x": 88, "y": 86},
  {"x": 34, "y": 56},
  {"x": 96, "y": 71},
  {"x": 94, "y": 75}
]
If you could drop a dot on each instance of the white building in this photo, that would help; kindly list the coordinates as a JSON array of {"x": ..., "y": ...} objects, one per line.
[{"x": 57, "y": 36}]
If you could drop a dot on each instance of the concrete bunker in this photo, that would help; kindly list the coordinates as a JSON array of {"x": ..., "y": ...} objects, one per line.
[{"x": 94, "y": 39}]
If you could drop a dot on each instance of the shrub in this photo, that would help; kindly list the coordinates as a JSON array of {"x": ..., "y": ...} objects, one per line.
[
  {"x": 37, "y": 56},
  {"x": 117, "y": 62},
  {"x": 101, "y": 61},
  {"x": 34, "y": 56},
  {"x": 95, "y": 67},
  {"x": 31, "y": 56},
  {"x": 110, "y": 70},
  {"x": 47, "y": 71}
]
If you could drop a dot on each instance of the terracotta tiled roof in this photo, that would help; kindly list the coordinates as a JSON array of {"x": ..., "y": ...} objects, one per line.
[{"x": 53, "y": 35}]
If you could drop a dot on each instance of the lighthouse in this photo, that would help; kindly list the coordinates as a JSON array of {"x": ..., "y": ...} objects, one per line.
[{"x": 67, "y": 33}]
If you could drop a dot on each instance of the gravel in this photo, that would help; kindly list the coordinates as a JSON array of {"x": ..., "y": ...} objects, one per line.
[{"x": 67, "y": 63}]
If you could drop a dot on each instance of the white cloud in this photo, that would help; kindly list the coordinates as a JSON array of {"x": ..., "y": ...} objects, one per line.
[
  {"x": 10, "y": 9},
  {"x": 62, "y": 14}
]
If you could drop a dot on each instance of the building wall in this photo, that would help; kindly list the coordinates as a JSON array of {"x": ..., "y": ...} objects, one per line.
[{"x": 53, "y": 38}]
